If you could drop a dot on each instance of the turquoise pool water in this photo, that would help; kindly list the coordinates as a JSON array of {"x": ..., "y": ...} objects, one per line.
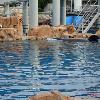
[{"x": 30, "y": 67}]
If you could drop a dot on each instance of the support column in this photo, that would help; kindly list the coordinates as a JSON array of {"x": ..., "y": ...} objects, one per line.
[
  {"x": 33, "y": 13},
  {"x": 56, "y": 13},
  {"x": 6, "y": 9},
  {"x": 63, "y": 12},
  {"x": 98, "y": 21},
  {"x": 77, "y": 5},
  {"x": 25, "y": 17}
]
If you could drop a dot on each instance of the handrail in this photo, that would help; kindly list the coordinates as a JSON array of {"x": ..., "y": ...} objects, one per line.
[
  {"x": 83, "y": 9},
  {"x": 89, "y": 9},
  {"x": 87, "y": 20},
  {"x": 86, "y": 12},
  {"x": 92, "y": 8},
  {"x": 86, "y": 16},
  {"x": 90, "y": 16},
  {"x": 83, "y": 17}
]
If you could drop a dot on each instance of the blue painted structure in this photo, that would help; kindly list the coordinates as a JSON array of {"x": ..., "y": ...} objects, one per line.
[
  {"x": 74, "y": 19},
  {"x": 77, "y": 20},
  {"x": 69, "y": 20}
]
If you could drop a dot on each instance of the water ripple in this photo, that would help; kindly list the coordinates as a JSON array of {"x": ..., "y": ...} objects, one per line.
[{"x": 30, "y": 67}]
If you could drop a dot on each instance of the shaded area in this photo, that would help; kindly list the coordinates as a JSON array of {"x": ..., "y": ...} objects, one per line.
[{"x": 93, "y": 38}]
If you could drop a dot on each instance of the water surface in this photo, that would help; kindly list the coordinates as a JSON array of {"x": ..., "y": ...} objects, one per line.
[{"x": 31, "y": 67}]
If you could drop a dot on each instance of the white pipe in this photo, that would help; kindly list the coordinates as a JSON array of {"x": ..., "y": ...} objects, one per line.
[
  {"x": 6, "y": 9},
  {"x": 71, "y": 5},
  {"x": 56, "y": 13},
  {"x": 99, "y": 6},
  {"x": 33, "y": 13},
  {"x": 63, "y": 12},
  {"x": 77, "y": 5}
]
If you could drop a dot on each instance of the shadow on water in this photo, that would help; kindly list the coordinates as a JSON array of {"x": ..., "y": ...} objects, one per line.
[
  {"x": 30, "y": 67},
  {"x": 94, "y": 38}
]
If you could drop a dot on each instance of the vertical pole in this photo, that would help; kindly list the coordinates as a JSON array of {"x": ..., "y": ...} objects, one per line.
[
  {"x": 63, "y": 12},
  {"x": 99, "y": 6},
  {"x": 56, "y": 13},
  {"x": 25, "y": 17},
  {"x": 82, "y": 25},
  {"x": 98, "y": 21},
  {"x": 71, "y": 5},
  {"x": 6, "y": 9},
  {"x": 33, "y": 13},
  {"x": 77, "y": 5}
]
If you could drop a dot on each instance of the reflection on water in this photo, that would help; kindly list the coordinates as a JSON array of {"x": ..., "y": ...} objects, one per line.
[{"x": 30, "y": 67}]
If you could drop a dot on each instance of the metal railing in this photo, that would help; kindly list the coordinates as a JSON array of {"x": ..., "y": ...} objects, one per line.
[
  {"x": 86, "y": 18},
  {"x": 88, "y": 12}
]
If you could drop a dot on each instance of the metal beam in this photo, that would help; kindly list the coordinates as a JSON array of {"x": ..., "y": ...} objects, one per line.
[{"x": 91, "y": 23}]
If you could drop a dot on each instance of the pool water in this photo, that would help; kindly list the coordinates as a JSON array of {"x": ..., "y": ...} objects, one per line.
[{"x": 31, "y": 67}]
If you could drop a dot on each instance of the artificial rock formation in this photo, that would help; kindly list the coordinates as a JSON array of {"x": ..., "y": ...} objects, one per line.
[
  {"x": 70, "y": 29},
  {"x": 58, "y": 96},
  {"x": 45, "y": 31},
  {"x": 50, "y": 96},
  {"x": 9, "y": 34},
  {"x": 76, "y": 35},
  {"x": 44, "y": 19},
  {"x": 98, "y": 33},
  {"x": 11, "y": 28},
  {"x": 12, "y": 22}
]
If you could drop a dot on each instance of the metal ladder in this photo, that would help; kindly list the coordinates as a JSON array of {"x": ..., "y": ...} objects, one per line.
[{"x": 89, "y": 15}]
